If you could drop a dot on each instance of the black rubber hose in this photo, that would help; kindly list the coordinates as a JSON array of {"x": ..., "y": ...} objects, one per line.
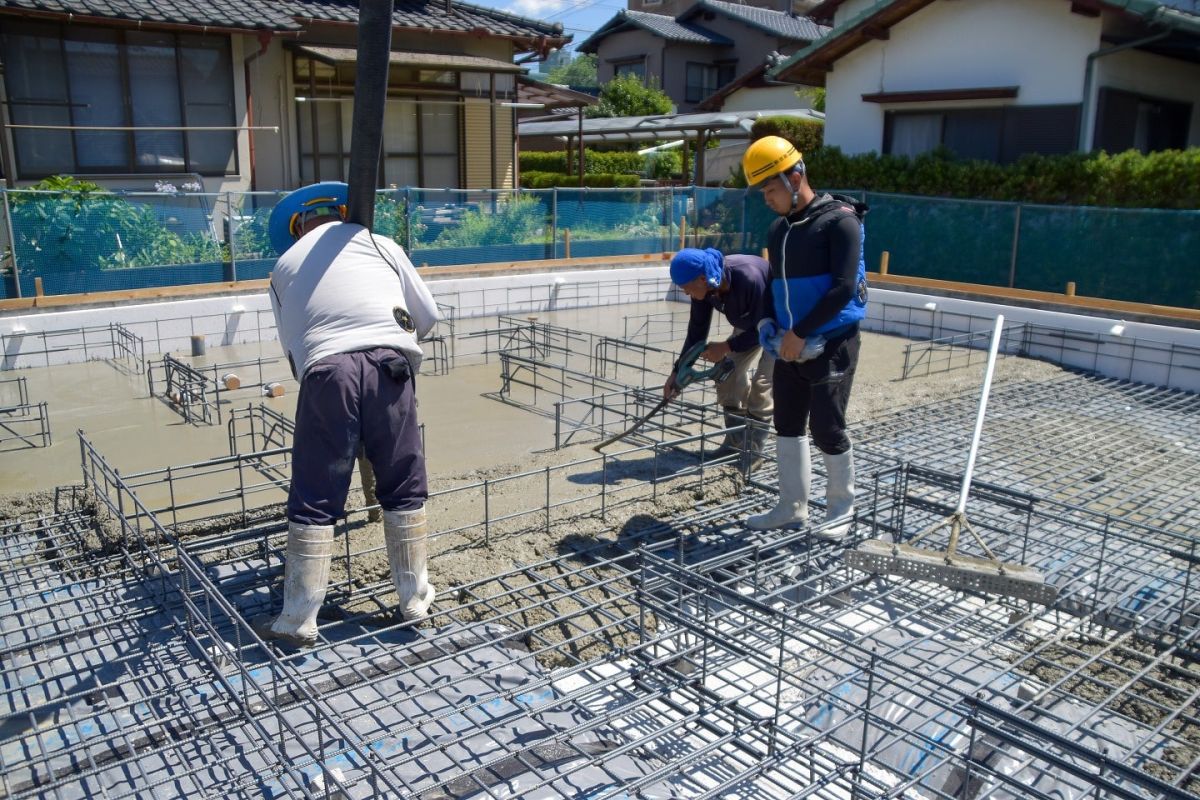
[{"x": 370, "y": 93}]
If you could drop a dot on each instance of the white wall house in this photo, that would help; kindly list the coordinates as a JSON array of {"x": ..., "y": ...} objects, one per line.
[{"x": 993, "y": 79}]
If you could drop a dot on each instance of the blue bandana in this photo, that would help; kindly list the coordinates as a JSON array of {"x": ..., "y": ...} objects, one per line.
[{"x": 691, "y": 262}]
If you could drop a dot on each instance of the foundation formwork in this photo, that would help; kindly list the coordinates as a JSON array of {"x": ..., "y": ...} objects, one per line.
[{"x": 684, "y": 656}]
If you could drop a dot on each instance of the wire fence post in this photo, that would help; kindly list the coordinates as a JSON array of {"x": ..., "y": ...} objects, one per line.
[
  {"x": 408, "y": 221},
  {"x": 12, "y": 244},
  {"x": 233, "y": 226},
  {"x": 554, "y": 223},
  {"x": 670, "y": 217},
  {"x": 1016, "y": 240}
]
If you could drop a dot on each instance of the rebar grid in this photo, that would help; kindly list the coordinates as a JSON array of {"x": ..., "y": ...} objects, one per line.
[
  {"x": 1134, "y": 693},
  {"x": 103, "y": 695},
  {"x": 551, "y": 296},
  {"x": 259, "y": 427},
  {"x": 1096, "y": 443},
  {"x": 958, "y": 351},
  {"x": 22, "y": 423},
  {"x": 114, "y": 343},
  {"x": 295, "y": 748},
  {"x": 598, "y": 416},
  {"x": 185, "y": 390}
]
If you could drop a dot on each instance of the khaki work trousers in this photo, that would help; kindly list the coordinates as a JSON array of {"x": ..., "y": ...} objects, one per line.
[{"x": 748, "y": 387}]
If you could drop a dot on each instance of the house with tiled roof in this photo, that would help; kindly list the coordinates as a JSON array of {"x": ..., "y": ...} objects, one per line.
[
  {"x": 996, "y": 79},
  {"x": 256, "y": 94},
  {"x": 693, "y": 54}
]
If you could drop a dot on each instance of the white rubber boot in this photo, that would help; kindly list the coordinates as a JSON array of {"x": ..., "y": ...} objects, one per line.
[
  {"x": 839, "y": 495},
  {"x": 405, "y": 532},
  {"x": 305, "y": 580},
  {"x": 795, "y": 475}
]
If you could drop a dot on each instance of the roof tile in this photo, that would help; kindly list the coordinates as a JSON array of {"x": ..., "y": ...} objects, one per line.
[
  {"x": 283, "y": 14},
  {"x": 774, "y": 22}
]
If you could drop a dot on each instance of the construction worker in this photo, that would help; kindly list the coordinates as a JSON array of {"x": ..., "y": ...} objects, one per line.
[
  {"x": 350, "y": 309},
  {"x": 815, "y": 300},
  {"x": 735, "y": 286}
]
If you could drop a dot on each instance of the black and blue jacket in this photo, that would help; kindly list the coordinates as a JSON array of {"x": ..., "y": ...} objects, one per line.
[{"x": 818, "y": 270}]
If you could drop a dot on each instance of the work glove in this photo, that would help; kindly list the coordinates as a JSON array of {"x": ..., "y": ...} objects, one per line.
[
  {"x": 814, "y": 346},
  {"x": 769, "y": 336}
]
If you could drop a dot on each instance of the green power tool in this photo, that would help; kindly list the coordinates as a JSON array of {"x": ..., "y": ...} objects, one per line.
[{"x": 685, "y": 375}]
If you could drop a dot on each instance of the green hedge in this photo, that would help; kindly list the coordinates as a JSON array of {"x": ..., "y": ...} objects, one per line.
[
  {"x": 1164, "y": 179},
  {"x": 806, "y": 134},
  {"x": 533, "y": 179},
  {"x": 595, "y": 162}
]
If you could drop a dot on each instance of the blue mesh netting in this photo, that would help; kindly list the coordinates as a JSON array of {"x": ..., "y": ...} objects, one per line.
[
  {"x": 102, "y": 242},
  {"x": 98, "y": 242},
  {"x": 607, "y": 222},
  {"x": 246, "y": 231},
  {"x": 462, "y": 226}
]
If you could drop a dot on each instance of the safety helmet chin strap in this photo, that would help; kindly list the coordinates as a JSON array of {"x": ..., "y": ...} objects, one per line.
[{"x": 787, "y": 181}]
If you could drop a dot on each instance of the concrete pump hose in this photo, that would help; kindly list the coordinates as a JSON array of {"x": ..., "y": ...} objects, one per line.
[{"x": 370, "y": 94}]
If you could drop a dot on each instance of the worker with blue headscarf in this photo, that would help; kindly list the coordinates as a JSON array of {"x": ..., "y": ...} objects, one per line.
[{"x": 734, "y": 285}]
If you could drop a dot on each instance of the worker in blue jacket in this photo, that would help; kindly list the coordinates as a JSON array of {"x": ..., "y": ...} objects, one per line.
[
  {"x": 815, "y": 300},
  {"x": 734, "y": 285}
]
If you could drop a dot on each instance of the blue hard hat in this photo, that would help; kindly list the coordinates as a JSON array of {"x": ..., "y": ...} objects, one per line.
[
  {"x": 691, "y": 262},
  {"x": 286, "y": 215}
]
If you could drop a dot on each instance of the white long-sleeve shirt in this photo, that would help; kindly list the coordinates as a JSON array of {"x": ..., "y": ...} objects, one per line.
[{"x": 333, "y": 292}]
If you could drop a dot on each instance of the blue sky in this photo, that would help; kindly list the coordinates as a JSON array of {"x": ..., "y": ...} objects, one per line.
[{"x": 578, "y": 17}]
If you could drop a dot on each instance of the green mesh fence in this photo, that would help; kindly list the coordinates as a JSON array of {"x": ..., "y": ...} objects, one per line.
[
  {"x": 1145, "y": 256},
  {"x": 954, "y": 240},
  {"x": 99, "y": 242}
]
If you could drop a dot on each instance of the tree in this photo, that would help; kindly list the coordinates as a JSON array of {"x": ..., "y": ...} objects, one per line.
[
  {"x": 579, "y": 72},
  {"x": 815, "y": 96},
  {"x": 627, "y": 96}
]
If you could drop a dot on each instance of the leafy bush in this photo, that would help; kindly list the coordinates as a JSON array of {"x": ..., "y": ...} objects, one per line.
[
  {"x": 665, "y": 164},
  {"x": 547, "y": 180},
  {"x": 1163, "y": 179},
  {"x": 806, "y": 134},
  {"x": 516, "y": 220},
  {"x": 595, "y": 162},
  {"x": 75, "y": 225},
  {"x": 392, "y": 221},
  {"x": 627, "y": 96}
]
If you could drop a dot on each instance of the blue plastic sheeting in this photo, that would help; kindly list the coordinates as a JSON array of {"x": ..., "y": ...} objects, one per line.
[{"x": 922, "y": 732}]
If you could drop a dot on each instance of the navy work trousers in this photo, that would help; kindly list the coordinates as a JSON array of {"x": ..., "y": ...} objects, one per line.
[
  {"x": 815, "y": 393},
  {"x": 365, "y": 397}
]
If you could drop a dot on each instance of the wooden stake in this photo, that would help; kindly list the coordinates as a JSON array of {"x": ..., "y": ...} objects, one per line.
[
  {"x": 682, "y": 232},
  {"x": 883, "y": 263},
  {"x": 1070, "y": 288},
  {"x": 37, "y": 287},
  {"x": 566, "y": 242}
]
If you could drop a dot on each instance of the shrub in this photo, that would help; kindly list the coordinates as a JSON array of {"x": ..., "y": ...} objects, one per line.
[
  {"x": 1163, "y": 179},
  {"x": 548, "y": 180},
  {"x": 806, "y": 134},
  {"x": 595, "y": 161},
  {"x": 75, "y": 225},
  {"x": 516, "y": 220}
]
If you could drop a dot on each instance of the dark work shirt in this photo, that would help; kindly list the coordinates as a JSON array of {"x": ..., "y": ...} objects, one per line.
[
  {"x": 742, "y": 305},
  {"x": 826, "y": 236}
]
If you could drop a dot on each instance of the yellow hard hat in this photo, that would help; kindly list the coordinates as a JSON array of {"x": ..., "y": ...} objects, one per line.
[{"x": 768, "y": 157}]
